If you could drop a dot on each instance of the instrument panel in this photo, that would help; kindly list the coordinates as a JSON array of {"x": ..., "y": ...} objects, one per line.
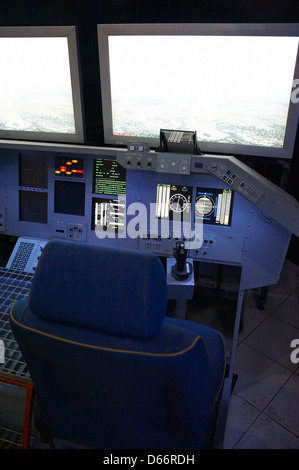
[{"x": 145, "y": 200}]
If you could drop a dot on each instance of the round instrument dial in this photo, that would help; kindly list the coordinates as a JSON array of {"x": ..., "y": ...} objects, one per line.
[
  {"x": 178, "y": 203},
  {"x": 204, "y": 205}
]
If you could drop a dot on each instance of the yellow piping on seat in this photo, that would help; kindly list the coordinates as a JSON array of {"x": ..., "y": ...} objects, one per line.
[{"x": 123, "y": 351}]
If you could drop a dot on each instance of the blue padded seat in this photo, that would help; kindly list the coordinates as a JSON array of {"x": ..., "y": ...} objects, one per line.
[{"x": 109, "y": 369}]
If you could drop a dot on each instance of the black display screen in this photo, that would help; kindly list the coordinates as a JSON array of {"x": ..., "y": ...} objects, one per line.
[
  {"x": 33, "y": 206},
  {"x": 33, "y": 171},
  {"x": 69, "y": 198}
]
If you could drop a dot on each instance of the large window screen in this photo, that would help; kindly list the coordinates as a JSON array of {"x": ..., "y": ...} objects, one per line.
[
  {"x": 39, "y": 84},
  {"x": 231, "y": 84}
]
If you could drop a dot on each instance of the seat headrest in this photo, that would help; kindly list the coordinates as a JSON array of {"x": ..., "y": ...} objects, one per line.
[{"x": 116, "y": 290}]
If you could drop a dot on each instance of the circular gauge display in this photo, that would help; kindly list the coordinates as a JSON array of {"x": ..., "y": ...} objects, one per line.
[
  {"x": 178, "y": 203},
  {"x": 204, "y": 205}
]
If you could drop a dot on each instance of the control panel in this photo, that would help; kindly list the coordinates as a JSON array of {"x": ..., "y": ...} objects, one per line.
[
  {"x": 224, "y": 211},
  {"x": 174, "y": 163},
  {"x": 212, "y": 248},
  {"x": 71, "y": 231},
  {"x": 265, "y": 195},
  {"x": 234, "y": 181},
  {"x": 138, "y": 157}
]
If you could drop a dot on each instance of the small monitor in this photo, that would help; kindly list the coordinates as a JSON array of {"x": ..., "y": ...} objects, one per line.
[
  {"x": 108, "y": 215},
  {"x": 173, "y": 202},
  {"x": 236, "y": 85},
  {"x": 33, "y": 206},
  {"x": 69, "y": 167},
  {"x": 33, "y": 171},
  {"x": 69, "y": 197},
  {"x": 109, "y": 177},
  {"x": 40, "y": 97},
  {"x": 214, "y": 206}
]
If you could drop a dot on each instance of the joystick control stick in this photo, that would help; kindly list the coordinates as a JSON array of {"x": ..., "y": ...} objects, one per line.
[{"x": 181, "y": 269}]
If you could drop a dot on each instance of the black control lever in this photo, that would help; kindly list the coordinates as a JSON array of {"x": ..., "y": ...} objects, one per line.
[{"x": 182, "y": 269}]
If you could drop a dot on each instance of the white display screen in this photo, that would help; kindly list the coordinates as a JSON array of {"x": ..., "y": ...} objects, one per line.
[
  {"x": 35, "y": 84},
  {"x": 39, "y": 84},
  {"x": 236, "y": 88},
  {"x": 228, "y": 89}
]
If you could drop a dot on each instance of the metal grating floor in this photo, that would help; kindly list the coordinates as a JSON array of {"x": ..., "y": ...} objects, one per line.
[
  {"x": 14, "y": 285},
  {"x": 9, "y": 438}
]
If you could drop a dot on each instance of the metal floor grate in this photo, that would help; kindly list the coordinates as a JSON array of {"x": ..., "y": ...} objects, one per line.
[
  {"x": 9, "y": 438},
  {"x": 14, "y": 285}
]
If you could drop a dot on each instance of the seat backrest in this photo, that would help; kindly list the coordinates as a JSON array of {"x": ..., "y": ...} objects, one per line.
[{"x": 110, "y": 371}]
